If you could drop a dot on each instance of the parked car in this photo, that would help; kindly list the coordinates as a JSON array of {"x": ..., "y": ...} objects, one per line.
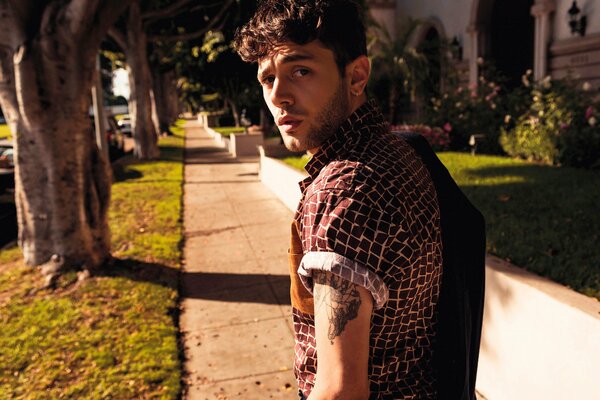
[
  {"x": 114, "y": 138},
  {"x": 7, "y": 166},
  {"x": 114, "y": 134},
  {"x": 125, "y": 125},
  {"x": 7, "y": 159}
]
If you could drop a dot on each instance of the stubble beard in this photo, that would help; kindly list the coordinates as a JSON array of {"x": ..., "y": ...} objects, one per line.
[{"x": 335, "y": 112}]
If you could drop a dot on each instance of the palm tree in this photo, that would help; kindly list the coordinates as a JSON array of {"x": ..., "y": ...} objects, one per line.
[{"x": 394, "y": 60}]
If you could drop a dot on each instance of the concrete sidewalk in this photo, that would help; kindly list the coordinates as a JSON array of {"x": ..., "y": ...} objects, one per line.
[{"x": 236, "y": 314}]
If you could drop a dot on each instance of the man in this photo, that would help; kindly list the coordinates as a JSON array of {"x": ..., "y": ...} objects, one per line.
[{"x": 367, "y": 256}]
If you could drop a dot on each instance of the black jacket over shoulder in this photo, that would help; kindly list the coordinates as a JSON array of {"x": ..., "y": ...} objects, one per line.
[{"x": 460, "y": 307}]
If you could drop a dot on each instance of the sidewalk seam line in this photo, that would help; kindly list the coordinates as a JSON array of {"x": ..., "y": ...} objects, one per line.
[{"x": 245, "y": 377}]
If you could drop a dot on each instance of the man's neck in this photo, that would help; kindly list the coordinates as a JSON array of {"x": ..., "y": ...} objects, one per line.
[
  {"x": 355, "y": 103},
  {"x": 312, "y": 152}
]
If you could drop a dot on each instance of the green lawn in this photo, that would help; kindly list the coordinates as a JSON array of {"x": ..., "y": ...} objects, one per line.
[
  {"x": 115, "y": 335},
  {"x": 542, "y": 218},
  {"x": 4, "y": 132},
  {"x": 228, "y": 130},
  {"x": 297, "y": 162}
]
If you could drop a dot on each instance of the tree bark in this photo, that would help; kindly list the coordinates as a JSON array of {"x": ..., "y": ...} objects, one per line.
[
  {"x": 140, "y": 80},
  {"x": 62, "y": 183},
  {"x": 266, "y": 124},
  {"x": 155, "y": 121},
  {"x": 172, "y": 95},
  {"x": 234, "y": 111},
  {"x": 163, "y": 97}
]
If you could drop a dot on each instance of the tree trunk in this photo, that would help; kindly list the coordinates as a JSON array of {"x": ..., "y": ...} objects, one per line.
[
  {"x": 172, "y": 95},
  {"x": 140, "y": 80},
  {"x": 155, "y": 120},
  {"x": 163, "y": 96},
  {"x": 62, "y": 183},
  {"x": 234, "y": 111},
  {"x": 266, "y": 124}
]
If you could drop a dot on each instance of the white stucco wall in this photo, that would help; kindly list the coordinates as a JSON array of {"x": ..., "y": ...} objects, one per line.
[
  {"x": 590, "y": 8},
  {"x": 454, "y": 16},
  {"x": 386, "y": 18}
]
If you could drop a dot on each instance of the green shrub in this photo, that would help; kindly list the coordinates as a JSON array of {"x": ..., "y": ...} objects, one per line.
[
  {"x": 480, "y": 110},
  {"x": 559, "y": 127}
]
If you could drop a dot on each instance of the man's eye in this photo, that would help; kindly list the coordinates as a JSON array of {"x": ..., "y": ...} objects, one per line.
[
  {"x": 301, "y": 72},
  {"x": 268, "y": 80}
]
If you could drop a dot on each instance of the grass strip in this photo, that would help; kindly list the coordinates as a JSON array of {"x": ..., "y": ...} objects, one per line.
[
  {"x": 228, "y": 130},
  {"x": 544, "y": 219},
  {"x": 115, "y": 335},
  {"x": 297, "y": 162}
]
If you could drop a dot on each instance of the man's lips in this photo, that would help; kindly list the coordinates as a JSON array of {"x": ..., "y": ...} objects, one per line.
[{"x": 288, "y": 123}]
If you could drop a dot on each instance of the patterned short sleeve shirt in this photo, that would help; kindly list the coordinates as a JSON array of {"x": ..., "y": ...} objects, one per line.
[{"x": 369, "y": 214}]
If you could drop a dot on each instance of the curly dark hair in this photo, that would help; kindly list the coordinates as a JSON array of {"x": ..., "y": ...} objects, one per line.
[{"x": 338, "y": 24}]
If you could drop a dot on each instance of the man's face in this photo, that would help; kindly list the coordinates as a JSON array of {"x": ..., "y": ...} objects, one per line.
[{"x": 306, "y": 94}]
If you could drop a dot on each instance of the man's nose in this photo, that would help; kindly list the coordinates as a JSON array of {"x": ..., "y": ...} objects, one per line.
[{"x": 281, "y": 95}]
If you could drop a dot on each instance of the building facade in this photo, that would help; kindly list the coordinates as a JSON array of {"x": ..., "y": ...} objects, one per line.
[{"x": 550, "y": 37}]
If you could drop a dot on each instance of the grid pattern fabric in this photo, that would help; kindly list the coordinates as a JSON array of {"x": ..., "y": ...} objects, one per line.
[{"x": 369, "y": 199}]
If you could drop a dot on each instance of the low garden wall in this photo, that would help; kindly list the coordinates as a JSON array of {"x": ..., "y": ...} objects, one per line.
[
  {"x": 244, "y": 144},
  {"x": 222, "y": 140},
  {"x": 540, "y": 340},
  {"x": 238, "y": 144},
  {"x": 279, "y": 177}
]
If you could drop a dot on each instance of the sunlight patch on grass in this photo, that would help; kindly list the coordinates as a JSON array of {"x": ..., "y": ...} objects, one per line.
[
  {"x": 10, "y": 255},
  {"x": 297, "y": 162},
  {"x": 545, "y": 220},
  {"x": 228, "y": 130}
]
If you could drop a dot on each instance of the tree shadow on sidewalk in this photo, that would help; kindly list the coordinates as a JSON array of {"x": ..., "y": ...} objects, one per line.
[
  {"x": 228, "y": 287},
  {"x": 237, "y": 288}
]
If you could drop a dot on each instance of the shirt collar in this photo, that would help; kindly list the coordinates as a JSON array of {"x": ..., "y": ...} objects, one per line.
[{"x": 350, "y": 132}]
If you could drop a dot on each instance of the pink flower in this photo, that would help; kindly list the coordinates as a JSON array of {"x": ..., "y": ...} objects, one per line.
[
  {"x": 448, "y": 127},
  {"x": 588, "y": 112}
]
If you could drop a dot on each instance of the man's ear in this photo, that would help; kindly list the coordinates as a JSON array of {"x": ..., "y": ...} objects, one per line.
[{"x": 358, "y": 72}]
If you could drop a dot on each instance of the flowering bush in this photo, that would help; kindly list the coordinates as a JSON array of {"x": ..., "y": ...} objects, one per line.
[
  {"x": 560, "y": 126},
  {"x": 478, "y": 110},
  {"x": 438, "y": 138}
]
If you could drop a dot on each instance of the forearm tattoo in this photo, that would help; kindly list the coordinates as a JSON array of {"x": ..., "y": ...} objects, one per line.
[{"x": 341, "y": 299}]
